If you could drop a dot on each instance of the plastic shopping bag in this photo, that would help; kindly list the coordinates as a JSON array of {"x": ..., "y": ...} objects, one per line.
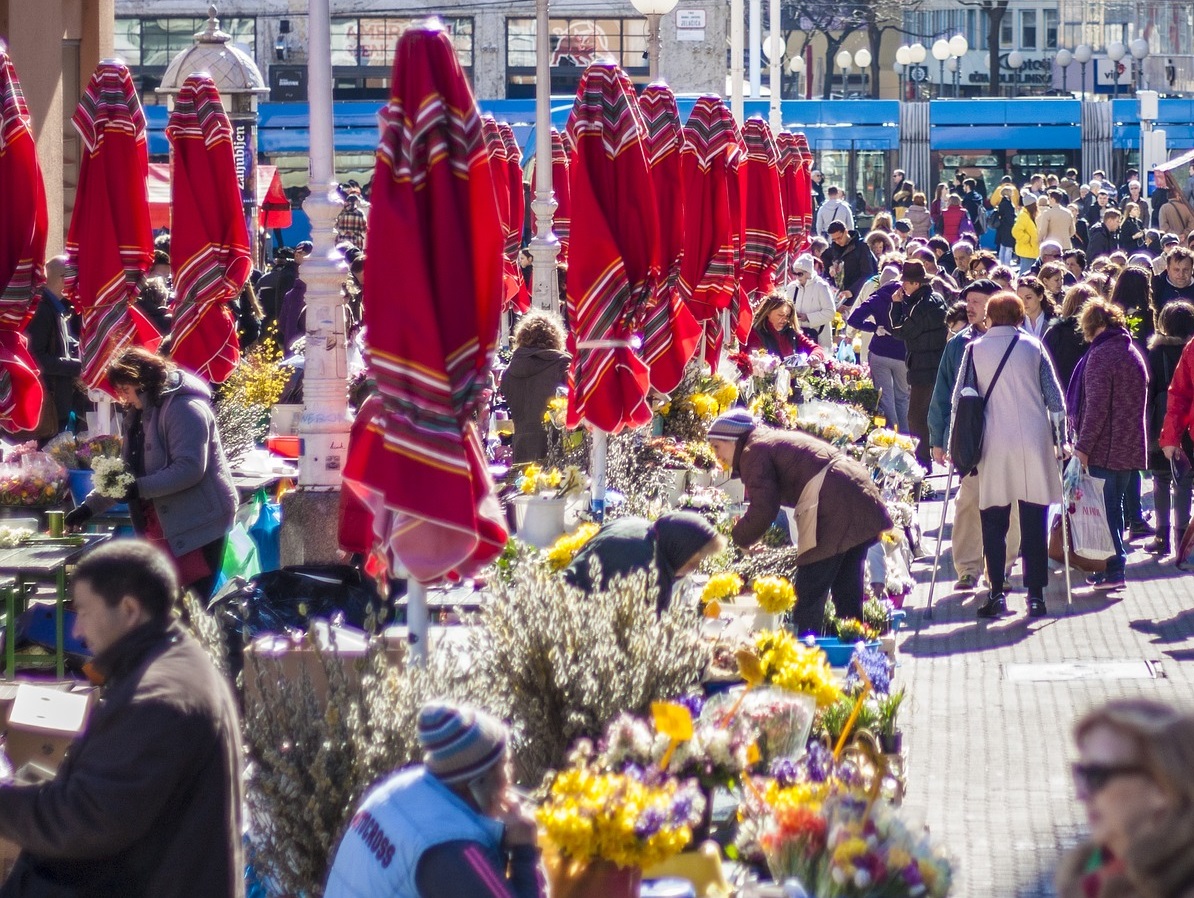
[
  {"x": 266, "y": 531},
  {"x": 1088, "y": 516},
  {"x": 240, "y": 555}
]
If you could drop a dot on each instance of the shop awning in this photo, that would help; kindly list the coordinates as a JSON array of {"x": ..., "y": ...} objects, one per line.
[{"x": 271, "y": 200}]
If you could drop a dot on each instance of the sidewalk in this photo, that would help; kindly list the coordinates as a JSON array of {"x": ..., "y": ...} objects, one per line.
[{"x": 989, "y": 756}]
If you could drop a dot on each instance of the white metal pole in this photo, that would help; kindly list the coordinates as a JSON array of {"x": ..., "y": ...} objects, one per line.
[
  {"x": 777, "y": 60},
  {"x": 756, "y": 48},
  {"x": 654, "y": 45},
  {"x": 737, "y": 50},
  {"x": 544, "y": 246},
  {"x": 599, "y": 475},
  {"x": 416, "y": 621}
]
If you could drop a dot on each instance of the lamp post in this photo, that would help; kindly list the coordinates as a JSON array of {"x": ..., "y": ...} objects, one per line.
[
  {"x": 951, "y": 66},
  {"x": 917, "y": 54},
  {"x": 1015, "y": 59},
  {"x": 958, "y": 47},
  {"x": 844, "y": 60},
  {"x": 1082, "y": 55},
  {"x": 773, "y": 49},
  {"x": 903, "y": 58},
  {"x": 544, "y": 246},
  {"x": 654, "y": 10},
  {"x": 1139, "y": 50},
  {"x": 941, "y": 53},
  {"x": 862, "y": 59},
  {"x": 796, "y": 67},
  {"x": 1115, "y": 52},
  {"x": 1063, "y": 59}
]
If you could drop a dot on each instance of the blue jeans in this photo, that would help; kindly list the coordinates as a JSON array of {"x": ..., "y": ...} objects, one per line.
[
  {"x": 1115, "y": 485},
  {"x": 891, "y": 376}
]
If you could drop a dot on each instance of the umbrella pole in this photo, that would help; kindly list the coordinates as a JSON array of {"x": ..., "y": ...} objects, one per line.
[
  {"x": 416, "y": 621},
  {"x": 600, "y": 461}
]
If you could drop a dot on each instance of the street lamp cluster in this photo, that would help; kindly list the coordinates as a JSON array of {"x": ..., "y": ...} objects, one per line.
[
  {"x": 844, "y": 59},
  {"x": 947, "y": 51},
  {"x": 1138, "y": 49}
]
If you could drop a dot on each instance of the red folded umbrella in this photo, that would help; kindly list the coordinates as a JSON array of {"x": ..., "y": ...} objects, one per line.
[
  {"x": 513, "y": 290},
  {"x": 23, "y": 225},
  {"x": 789, "y": 165},
  {"x": 804, "y": 192},
  {"x": 209, "y": 242},
  {"x": 109, "y": 244},
  {"x": 764, "y": 226},
  {"x": 614, "y": 263},
  {"x": 561, "y": 184},
  {"x": 670, "y": 332},
  {"x": 740, "y": 318},
  {"x": 518, "y": 207},
  {"x": 432, "y": 305},
  {"x": 707, "y": 276}
]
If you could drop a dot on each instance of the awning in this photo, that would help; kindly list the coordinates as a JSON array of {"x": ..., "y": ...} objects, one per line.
[{"x": 271, "y": 200}]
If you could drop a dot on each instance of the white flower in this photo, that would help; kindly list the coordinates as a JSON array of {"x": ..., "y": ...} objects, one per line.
[{"x": 111, "y": 477}]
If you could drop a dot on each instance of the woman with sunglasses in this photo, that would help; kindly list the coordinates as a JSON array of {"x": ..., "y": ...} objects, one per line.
[{"x": 1135, "y": 776}]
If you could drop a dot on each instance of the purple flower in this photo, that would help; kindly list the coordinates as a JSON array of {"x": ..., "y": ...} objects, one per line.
[
  {"x": 911, "y": 875},
  {"x": 681, "y": 809},
  {"x": 877, "y": 667},
  {"x": 818, "y": 762},
  {"x": 694, "y": 702},
  {"x": 649, "y": 823},
  {"x": 786, "y": 772}
]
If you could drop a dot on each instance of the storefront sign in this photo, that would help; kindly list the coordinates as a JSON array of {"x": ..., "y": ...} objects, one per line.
[{"x": 690, "y": 25}]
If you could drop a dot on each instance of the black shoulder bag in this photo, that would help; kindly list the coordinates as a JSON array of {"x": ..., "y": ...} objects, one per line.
[{"x": 970, "y": 414}]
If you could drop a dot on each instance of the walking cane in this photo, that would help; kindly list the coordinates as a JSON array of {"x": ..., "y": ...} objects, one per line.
[
  {"x": 949, "y": 482},
  {"x": 1059, "y": 442}
]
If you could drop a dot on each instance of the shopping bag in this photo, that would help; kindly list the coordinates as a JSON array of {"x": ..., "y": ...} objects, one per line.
[
  {"x": 1057, "y": 550},
  {"x": 266, "y": 532},
  {"x": 1090, "y": 535},
  {"x": 240, "y": 555}
]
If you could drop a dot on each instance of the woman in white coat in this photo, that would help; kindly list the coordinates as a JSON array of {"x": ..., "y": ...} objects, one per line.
[
  {"x": 1019, "y": 459},
  {"x": 813, "y": 302}
]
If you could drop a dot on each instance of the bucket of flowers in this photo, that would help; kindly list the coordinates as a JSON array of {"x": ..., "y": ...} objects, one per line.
[
  {"x": 541, "y": 502},
  {"x": 77, "y": 454}
]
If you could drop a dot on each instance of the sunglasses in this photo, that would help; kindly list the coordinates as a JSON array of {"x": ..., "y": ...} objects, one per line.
[{"x": 1092, "y": 778}]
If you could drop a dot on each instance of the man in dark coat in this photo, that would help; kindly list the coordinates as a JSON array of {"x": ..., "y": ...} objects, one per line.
[
  {"x": 918, "y": 318},
  {"x": 148, "y": 800},
  {"x": 673, "y": 546},
  {"x": 848, "y": 250},
  {"x": 835, "y": 510},
  {"x": 54, "y": 347}
]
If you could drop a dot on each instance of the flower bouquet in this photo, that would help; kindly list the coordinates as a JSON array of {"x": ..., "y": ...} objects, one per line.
[
  {"x": 534, "y": 480},
  {"x": 564, "y": 549},
  {"x": 76, "y": 454},
  {"x": 33, "y": 479},
  {"x": 112, "y": 478},
  {"x": 788, "y": 664},
  {"x": 13, "y": 536}
]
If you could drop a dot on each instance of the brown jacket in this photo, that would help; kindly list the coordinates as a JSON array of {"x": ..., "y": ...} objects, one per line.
[
  {"x": 528, "y": 384},
  {"x": 775, "y": 466},
  {"x": 148, "y": 799},
  {"x": 1159, "y": 864}
]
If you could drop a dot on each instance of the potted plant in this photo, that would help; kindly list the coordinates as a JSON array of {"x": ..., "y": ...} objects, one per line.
[
  {"x": 891, "y": 737},
  {"x": 540, "y": 508}
]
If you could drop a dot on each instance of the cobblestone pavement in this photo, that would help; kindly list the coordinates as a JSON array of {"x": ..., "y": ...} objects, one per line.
[{"x": 988, "y": 757}]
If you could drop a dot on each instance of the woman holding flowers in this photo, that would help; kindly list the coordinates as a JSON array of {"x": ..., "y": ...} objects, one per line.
[
  {"x": 835, "y": 511},
  {"x": 773, "y": 331},
  {"x": 174, "y": 476}
]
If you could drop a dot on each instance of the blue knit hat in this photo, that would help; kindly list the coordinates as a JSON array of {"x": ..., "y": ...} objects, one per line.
[
  {"x": 731, "y": 425},
  {"x": 459, "y": 743}
]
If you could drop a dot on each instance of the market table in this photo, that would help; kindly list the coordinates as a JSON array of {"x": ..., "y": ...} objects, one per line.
[{"x": 39, "y": 561}]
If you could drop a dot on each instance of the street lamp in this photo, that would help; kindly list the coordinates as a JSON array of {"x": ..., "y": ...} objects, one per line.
[
  {"x": 903, "y": 58},
  {"x": 1139, "y": 50},
  {"x": 844, "y": 60},
  {"x": 941, "y": 53},
  {"x": 1115, "y": 52},
  {"x": 544, "y": 245},
  {"x": 654, "y": 10},
  {"x": 958, "y": 47},
  {"x": 1063, "y": 60},
  {"x": 773, "y": 51},
  {"x": 796, "y": 67},
  {"x": 1082, "y": 55},
  {"x": 862, "y": 59},
  {"x": 1015, "y": 59}
]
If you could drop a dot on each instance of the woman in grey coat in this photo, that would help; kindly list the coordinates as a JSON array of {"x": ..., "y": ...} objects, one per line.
[{"x": 183, "y": 498}]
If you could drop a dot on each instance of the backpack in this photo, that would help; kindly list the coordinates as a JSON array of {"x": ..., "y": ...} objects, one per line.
[
  {"x": 981, "y": 221},
  {"x": 970, "y": 414},
  {"x": 993, "y": 219}
]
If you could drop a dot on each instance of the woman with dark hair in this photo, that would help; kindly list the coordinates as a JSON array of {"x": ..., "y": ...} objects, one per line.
[
  {"x": 537, "y": 369},
  {"x": 1175, "y": 327},
  {"x": 773, "y": 331},
  {"x": 1107, "y": 398},
  {"x": 183, "y": 498},
  {"x": 1038, "y": 307},
  {"x": 1063, "y": 338},
  {"x": 1133, "y": 293},
  {"x": 1024, "y": 406}
]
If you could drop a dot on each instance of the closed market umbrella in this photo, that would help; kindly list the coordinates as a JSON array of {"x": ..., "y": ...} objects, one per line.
[
  {"x": 23, "y": 225},
  {"x": 614, "y": 261},
  {"x": 499, "y": 167},
  {"x": 209, "y": 242},
  {"x": 518, "y": 209},
  {"x": 109, "y": 244},
  {"x": 763, "y": 215},
  {"x": 789, "y": 166},
  {"x": 670, "y": 332},
  {"x": 432, "y": 305},
  {"x": 561, "y": 161},
  {"x": 804, "y": 191},
  {"x": 739, "y": 317},
  {"x": 707, "y": 275}
]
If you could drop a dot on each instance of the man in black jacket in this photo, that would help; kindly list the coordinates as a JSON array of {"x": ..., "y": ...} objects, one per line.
[
  {"x": 1103, "y": 238},
  {"x": 918, "y": 319},
  {"x": 54, "y": 345},
  {"x": 148, "y": 800},
  {"x": 848, "y": 250}
]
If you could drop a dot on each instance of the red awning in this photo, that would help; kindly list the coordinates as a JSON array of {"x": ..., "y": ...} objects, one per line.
[{"x": 271, "y": 199}]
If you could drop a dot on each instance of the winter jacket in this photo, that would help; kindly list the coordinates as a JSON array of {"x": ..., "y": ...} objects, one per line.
[
  {"x": 873, "y": 314},
  {"x": 1179, "y": 414},
  {"x": 1020, "y": 465},
  {"x": 1066, "y": 345},
  {"x": 813, "y": 300},
  {"x": 1028, "y": 243},
  {"x": 1176, "y": 218},
  {"x": 1109, "y": 393},
  {"x": 1056, "y": 223},
  {"x": 858, "y": 262},
  {"x": 147, "y": 803},
  {"x": 50, "y": 338},
  {"x": 529, "y": 382},
  {"x": 1164, "y": 355},
  {"x": 186, "y": 474},
  {"x": 921, "y": 221},
  {"x": 1007, "y": 221},
  {"x": 1159, "y": 863},
  {"x": 955, "y": 223},
  {"x": 831, "y": 211},
  {"x": 784, "y": 343},
  {"x": 1102, "y": 242},
  {"x": 942, "y": 404},
  {"x": 919, "y": 321},
  {"x": 776, "y": 466}
]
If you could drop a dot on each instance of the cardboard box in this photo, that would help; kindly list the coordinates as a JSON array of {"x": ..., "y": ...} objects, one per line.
[
  {"x": 42, "y": 723},
  {"x": 8, "y": 694}
]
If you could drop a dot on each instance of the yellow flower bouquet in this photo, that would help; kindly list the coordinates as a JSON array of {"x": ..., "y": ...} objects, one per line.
[
  {"x": 721, "y": 586},
  {"x": 564, "y": 549},
  {"x": 775, "y": 595},
  {"x": 789, "y": 664}
]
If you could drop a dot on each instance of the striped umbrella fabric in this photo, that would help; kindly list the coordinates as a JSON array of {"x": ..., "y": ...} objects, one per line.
[
  {"x": 109, "y": 245},
  {"x": 209, "y": 241},
  {"x": 518, "y": 209},
  {"x": 499, "y": 165},
  {"x": 431, "y": 307},
  {"x": 764, "y": 226},
  {"x": 614, "y": 264},
  {"x": 23, "y": 226},
  {"x": 740, "y": 318},
  {"x": 670, "y": 332},
  {"x": 804, "y": 190},
  {"x": 561, "y": 184},
  {"x": 707, "y": 270},
  {"x": 789, "y": 165}
]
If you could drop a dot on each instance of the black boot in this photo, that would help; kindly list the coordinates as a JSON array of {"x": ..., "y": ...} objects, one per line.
[
  {"x": 995, "y": 606},
  {"x": 1159, "y": 544}
]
